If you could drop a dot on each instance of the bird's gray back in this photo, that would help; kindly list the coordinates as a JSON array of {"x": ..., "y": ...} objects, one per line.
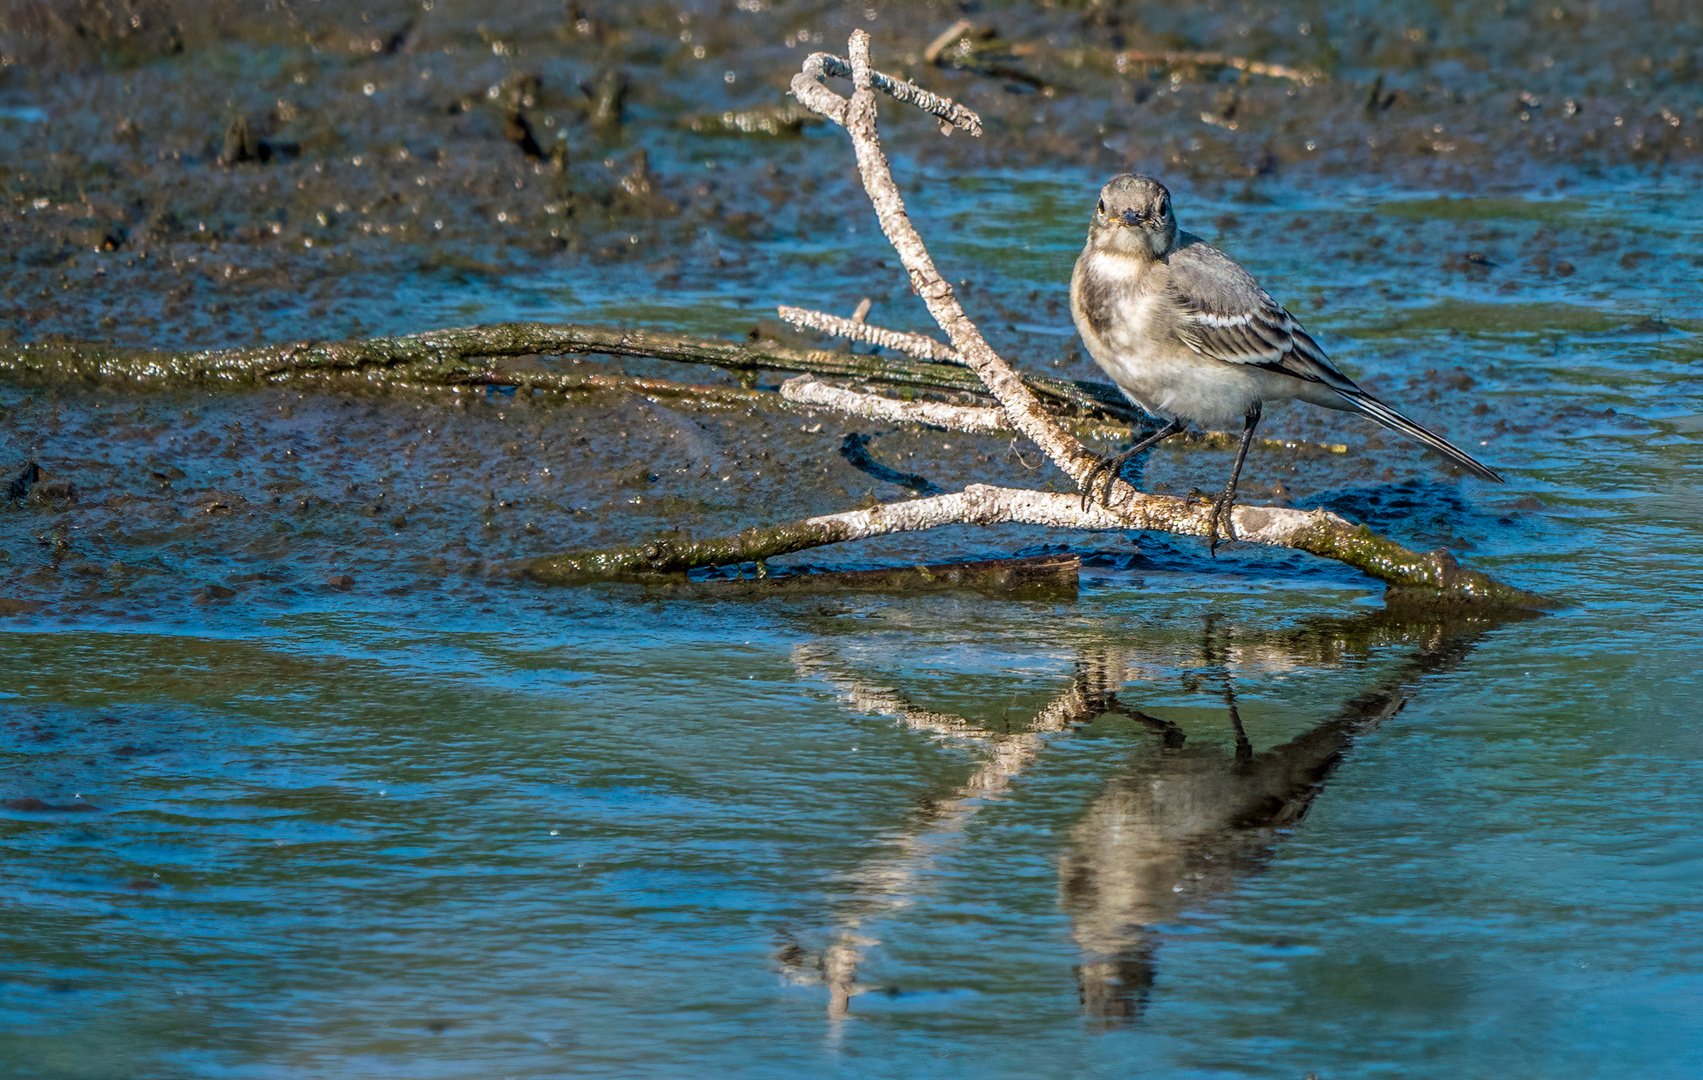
[{"x": 1210, "y": 282}]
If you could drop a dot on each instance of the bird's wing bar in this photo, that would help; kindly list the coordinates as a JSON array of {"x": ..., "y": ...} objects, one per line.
[
  {"x": 1224, "y": 314},
  {"x": 1264, "y": 335},
  {"x": 1269, "y": 337}
]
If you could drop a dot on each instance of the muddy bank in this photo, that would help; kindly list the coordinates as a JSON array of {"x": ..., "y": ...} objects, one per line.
[
  {"x": 184, "y": 174},
  {"x": 195, "y": 173}
]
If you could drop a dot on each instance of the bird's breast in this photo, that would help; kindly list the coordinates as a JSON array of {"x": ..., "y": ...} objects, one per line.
[{"x": 1131, "y": 332}]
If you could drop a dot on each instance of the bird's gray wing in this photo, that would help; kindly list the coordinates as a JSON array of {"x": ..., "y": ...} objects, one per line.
[{"x": 1222, "y": 312}]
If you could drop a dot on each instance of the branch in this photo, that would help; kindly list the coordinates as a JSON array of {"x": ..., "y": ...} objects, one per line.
[
  {"x": 452, "y": 357},
  {"x": 857, "y": 116},
  {"x": 1409, "y": 574},
  {"x": 971, "y": 419},
  {"x": 923, "y": 348},
  {"x": 448, "y": 355},
  {"x": 809, "y": 87}
]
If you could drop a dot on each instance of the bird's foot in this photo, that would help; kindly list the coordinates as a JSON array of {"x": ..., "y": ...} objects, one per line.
[
  {"x": 1102, "y": 476},
  {"x": 1112, "y": 468},
  {"x": 1222, "y": 508}
]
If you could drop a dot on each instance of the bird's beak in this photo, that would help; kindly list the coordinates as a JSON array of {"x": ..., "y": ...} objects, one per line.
[{"x": 1130, "y": 218}]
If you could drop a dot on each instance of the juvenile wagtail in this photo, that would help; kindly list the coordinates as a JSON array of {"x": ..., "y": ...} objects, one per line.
[{"x": 1189, "y": 335}]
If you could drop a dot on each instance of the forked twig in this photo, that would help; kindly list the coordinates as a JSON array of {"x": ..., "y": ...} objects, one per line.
[{"x": 809, "y": 87}]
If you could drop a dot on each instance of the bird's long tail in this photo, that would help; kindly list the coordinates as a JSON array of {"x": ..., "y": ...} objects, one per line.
[{"x": 1367, "y": 405}]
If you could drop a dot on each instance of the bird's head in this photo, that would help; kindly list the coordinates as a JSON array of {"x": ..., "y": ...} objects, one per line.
[{"x": 1133, "y": 217}]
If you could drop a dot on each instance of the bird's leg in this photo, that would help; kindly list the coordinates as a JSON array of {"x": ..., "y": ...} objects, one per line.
[
  {"x": 1244, "y": 748},
  {"x": 1112, "y": 467},
  {"x": 1227, "y": 498}
]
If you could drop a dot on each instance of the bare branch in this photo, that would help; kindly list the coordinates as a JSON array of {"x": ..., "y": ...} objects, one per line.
[
  {"x": 1314, "y": 531},
  {"x": 917, "y": 345},
  {"x": 972, "y": 419},
  {"x": 1019, "y": 404},
  {"x": 809, "y": 87}
]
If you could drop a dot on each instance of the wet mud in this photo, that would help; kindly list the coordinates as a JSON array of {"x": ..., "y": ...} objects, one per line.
[{"x": 206, "y": 175}]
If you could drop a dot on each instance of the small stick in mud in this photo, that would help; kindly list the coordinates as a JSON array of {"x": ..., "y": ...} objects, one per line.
[{"x": 1304, "y": 76}]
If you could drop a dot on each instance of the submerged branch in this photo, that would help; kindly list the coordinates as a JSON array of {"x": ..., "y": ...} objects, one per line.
[{"x": 1040, "y": 577}]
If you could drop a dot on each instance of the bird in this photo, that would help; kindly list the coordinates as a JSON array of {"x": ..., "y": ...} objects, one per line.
[{"x": 1189, "y": 336}]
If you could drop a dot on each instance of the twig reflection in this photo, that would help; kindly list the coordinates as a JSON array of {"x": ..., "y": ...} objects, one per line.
[{"x": 888, "y": 881}]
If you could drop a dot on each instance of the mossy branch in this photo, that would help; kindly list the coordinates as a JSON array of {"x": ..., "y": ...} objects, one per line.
[{"x": 453, "y": 357}]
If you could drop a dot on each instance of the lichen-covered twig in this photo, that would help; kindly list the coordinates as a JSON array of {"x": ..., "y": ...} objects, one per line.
[
  {"x": 1408, "y": 573},
  {"x": 917, "y": 345},
  {"x": 808, "y": 86}
]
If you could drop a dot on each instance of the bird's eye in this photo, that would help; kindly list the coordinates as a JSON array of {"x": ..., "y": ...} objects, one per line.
[
  {"x": 1164, "y": 207},
  {"x": 1102, "y": 208}
]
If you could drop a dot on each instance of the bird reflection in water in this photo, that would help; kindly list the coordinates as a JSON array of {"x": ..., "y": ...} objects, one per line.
[{"x": 1180, "y": 824}]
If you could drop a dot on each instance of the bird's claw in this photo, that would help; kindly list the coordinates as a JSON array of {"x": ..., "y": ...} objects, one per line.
[
  {"x": 1112, "y": 467},
  {"x": 1103, "y": 475},
  {"x": 1222, "y": 507}
]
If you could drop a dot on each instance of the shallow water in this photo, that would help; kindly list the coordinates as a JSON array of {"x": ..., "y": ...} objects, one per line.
[
  {"x": 616, "y": 835},
  {"x": 297, "y": 779}
]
